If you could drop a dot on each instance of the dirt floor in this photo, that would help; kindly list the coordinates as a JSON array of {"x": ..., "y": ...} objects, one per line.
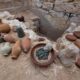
[{"x": 24, "y": 69}]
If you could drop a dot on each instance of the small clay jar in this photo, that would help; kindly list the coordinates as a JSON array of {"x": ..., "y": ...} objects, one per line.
[
  {"x": 77, "y": 63},
  {"x": 4, "y": 28},
  {"x": 77, "y": 34},
  {"x": 77, "y": 43},
  {"x": 71, "y": 37},
  {"x": 16, "y": 50},
  {"x": 9, "y": 38},
  {"x": 26, "y": 44}
]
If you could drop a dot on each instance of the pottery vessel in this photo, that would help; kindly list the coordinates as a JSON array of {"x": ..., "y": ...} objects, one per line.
[
  {"x": 4, "y": 28},
  {"x": 16, "y": 50},
  {"x": 42, "y": 63},
  {"x": 77, "y": 34},
  {"x": 26, "y": 44},
  {"x": 9, "y": 38},
  {"x": 70, "y": 37}
]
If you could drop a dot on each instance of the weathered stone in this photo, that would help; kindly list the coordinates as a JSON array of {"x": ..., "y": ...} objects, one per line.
[
  {"x": 47, "y": 5},
  {"x": 68, "y": 55},
  {"x": 4, "y": 28},
  {"x": 5, "y": 49},
  {"x": 62, "y": 5}
]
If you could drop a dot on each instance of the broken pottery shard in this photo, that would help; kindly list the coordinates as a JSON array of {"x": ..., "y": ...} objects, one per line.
[
  {"x": 25, "y": 44},
  {"x": 16, "y": 50},
  {"x": 70, "y": 37},
  {"x": 9, "y": 38},
  {"x": 77, "y": 43},
  {"x": 77, "y": 34},
  {"x": 4, "y": 28},
  {"x": 5, "y": 49},
  {"x": 68, "y": 55},
  {"x": 78, "y": 62},
  {"x": 21, "y": 19},
  {"x": 20, "y": 32}
]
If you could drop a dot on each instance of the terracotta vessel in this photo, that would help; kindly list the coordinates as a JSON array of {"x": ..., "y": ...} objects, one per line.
[
  {"x": 38, "y": 62},
  {"x": 77, "y": 34},
  {"x": 16, "y": 50},
  {"x": 77, "y": 43},
  {"x": 9, "y": 38},
  {"x": 70, "y": 37},
  {"x": 78, "y": 62},
  {"x": 26, "y": 44},
  {"x": 4, "y": 28}
]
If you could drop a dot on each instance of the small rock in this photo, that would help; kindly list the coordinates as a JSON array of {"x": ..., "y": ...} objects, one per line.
[
  {"x": 16, "y": 50},
  {"x": 20, "y": 32},
  {"x": 68, "y": 55},
  {"x": 5, "y": 49}
]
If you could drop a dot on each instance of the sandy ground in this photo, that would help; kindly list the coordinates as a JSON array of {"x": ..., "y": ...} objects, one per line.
[{"x": 24, "y": 69}]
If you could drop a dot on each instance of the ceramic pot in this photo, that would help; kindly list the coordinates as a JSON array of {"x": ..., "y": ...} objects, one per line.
[
  {"x": 78, "y": 62},
  {"x": 16, "y": 50},
  {"x": 4, "y": 28},
  {"x": 77, "y": 34},
  {"x": 26, "y": 44},
  {"x": 42, "y": 63},
  {"x": 77, "y": 43},
  {"x": 9, "y": 38},
  {"x": 70, "y": 37}
]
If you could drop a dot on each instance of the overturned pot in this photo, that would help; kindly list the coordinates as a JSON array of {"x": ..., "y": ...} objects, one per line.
[{"x": 42, "y": 62}]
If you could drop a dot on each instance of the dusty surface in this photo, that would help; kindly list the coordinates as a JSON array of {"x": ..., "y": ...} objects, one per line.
[{"x": 24, "y": 69}]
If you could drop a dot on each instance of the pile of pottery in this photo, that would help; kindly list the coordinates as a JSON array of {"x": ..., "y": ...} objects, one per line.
[{"x": 10, "y": 44}]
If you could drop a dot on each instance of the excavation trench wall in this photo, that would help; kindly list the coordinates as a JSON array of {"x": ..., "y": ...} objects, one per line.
[{"x": 51, "y": 26}]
